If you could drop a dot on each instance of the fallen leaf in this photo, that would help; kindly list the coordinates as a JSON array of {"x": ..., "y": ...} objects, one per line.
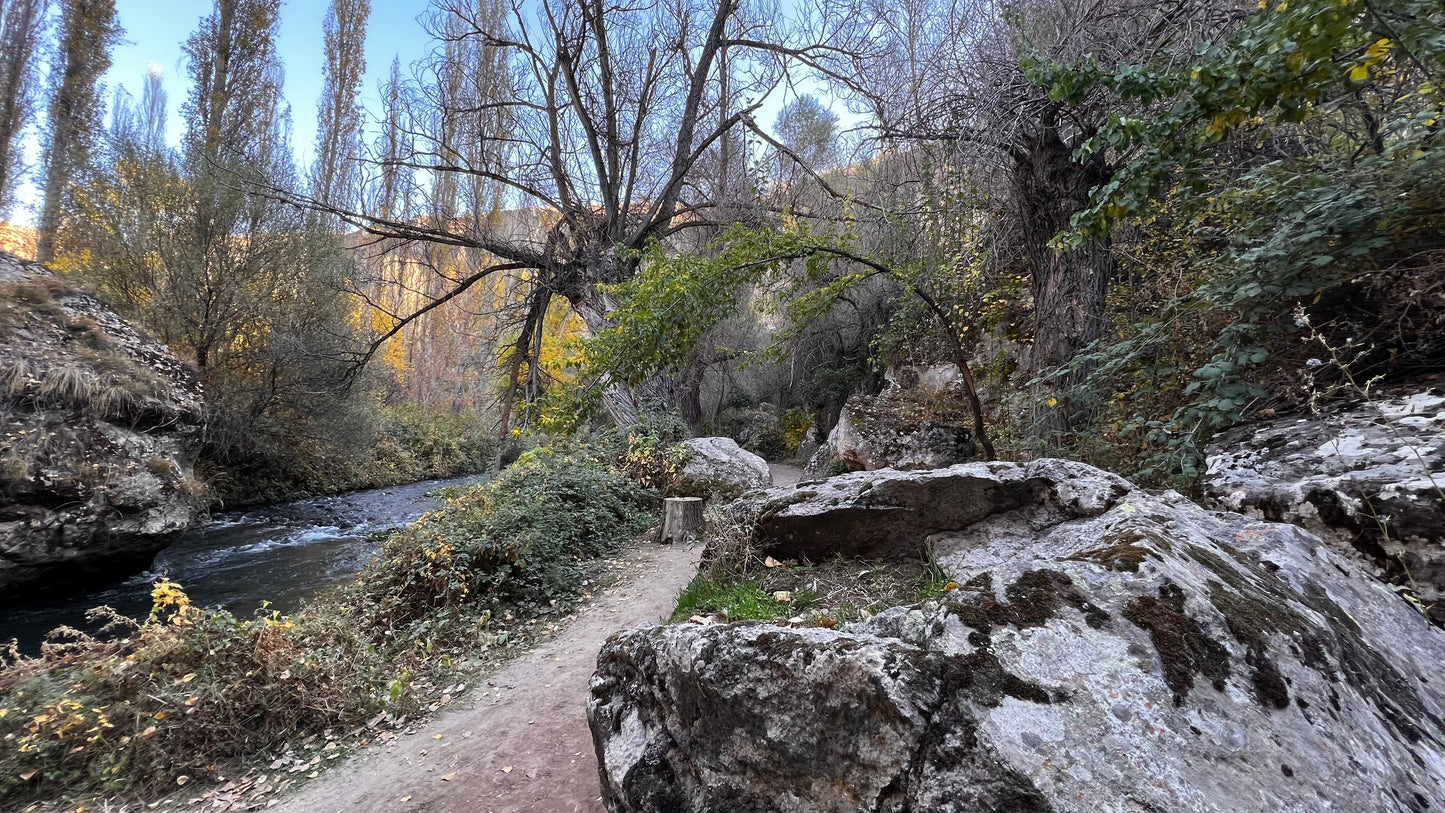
[
  {"x": 182, "y": 779},
  {"x": 189, "y": 678},
  {"x": 447, "y": 777},
  {"x": 783, "y": 596},
  {"x": 771, "y": 562},
  {"x": 406, "y": 798},
  {"x": 507, "y": 769},
  {"x": 25, "y": 777}
]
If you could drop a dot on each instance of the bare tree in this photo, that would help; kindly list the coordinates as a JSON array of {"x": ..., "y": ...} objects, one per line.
[
  {"x": 602, "y": 118},
  {"x": 336, "y": 174},
  {"x": 22, "y": 29},
  {"x": 945, "y": 71}
]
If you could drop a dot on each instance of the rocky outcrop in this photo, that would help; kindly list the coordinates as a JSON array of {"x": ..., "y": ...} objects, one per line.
[
  {"x": 1370, "y": 479},
  {"x": 892, "y": 514},
  {"x": 720, "y": 468},
  {"x": 100, "y": 423},
  {"x": 919, "y": 422},
  {"x": 1107, "y": 650}
]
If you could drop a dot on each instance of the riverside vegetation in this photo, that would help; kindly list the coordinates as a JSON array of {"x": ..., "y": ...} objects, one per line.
[
  {"x": 1128, "y": 226},
  {"x": 182, "y": 695}
]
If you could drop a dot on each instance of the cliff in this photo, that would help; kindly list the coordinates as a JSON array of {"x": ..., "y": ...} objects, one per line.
[{"x": 99, "y": 423}]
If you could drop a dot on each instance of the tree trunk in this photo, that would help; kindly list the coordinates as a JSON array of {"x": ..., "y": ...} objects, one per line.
[
  {"x": 689, "y": 397},
  {"x": 682, "y": 520},
  {"x": 1069, "y": 285}
]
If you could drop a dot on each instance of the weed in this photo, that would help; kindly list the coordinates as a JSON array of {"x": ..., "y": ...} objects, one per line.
[{"x": 737, "y": 601}]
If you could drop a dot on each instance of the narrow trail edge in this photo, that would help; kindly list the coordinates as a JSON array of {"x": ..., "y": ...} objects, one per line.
[{"x": 524, "y": 747}]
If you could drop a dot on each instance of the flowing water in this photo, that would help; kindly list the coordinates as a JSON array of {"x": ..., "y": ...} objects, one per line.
[{"x": 278, "y": 553}]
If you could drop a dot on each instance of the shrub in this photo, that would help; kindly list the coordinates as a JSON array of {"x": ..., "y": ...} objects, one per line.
[
  {"x": 172, "y": 698},
  {"x": 518, "y": 540},
  {"x": 796, "y": 424},
  {"x": 176, "y": 694}
]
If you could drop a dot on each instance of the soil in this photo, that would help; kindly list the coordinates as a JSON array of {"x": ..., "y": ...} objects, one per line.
[
  {"x": 523, "y": 745},
  {"x": 784, "y": 474}
]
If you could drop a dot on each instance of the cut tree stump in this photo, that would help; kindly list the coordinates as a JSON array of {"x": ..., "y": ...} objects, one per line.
[{"x": 681, "y": 520}]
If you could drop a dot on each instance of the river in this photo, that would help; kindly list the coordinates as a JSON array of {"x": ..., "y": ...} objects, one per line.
[{"x": 277, "y": 553}]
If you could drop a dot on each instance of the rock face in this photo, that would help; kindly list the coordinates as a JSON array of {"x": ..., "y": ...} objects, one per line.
[
  {"x": 919, "y": 422},
  {"x": 100, "y": 422},
  {"x": 1108, "y": 650},
  {"x": 1370, "y": 480},
  {"x": 720, "y": 468}
]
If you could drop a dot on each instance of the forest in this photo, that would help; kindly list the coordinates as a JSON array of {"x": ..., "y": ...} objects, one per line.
[
  {"x": 576, "y": 236},
  {"x": 1131, "y": 224}
]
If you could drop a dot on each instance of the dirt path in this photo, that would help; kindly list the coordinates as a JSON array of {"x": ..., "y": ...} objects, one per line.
[
  {"x": 784, "y": 474},
  {"x": 524, "y": 744}
]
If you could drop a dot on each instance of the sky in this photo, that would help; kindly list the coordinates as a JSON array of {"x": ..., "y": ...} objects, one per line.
[{"x": 156, "y": 30}]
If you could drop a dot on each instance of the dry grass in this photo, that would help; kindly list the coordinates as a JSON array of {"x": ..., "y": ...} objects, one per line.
[
  {"x": 15, "y": 375},
  {"x": 68, "y": 385}
]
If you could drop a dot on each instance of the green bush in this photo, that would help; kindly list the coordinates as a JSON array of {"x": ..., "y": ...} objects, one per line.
[
  {"x": 169, "y": 700},
  {"x": 519, "y": 540}
]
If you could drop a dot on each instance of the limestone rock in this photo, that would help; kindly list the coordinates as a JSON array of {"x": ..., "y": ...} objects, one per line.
[
  {"x": 1109, "y": 650},
  {"x": 891, "y": 514},
  {"x": 100, "y": 426},
  {"x": 920, "y": 422},
  {"x": 1369, "y": 479},
  {"x": 719, "y": 467}
]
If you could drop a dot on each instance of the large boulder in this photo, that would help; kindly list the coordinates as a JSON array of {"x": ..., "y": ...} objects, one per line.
[
  {"x": 1370, "y": 479},
  {"x": 101, "y": 423},
  {"x": 720, "y": 468},
  {"x": 892, "y": 514},
  {"x": 919, "y": 422},
  {"x": 1108, "y": 650}
]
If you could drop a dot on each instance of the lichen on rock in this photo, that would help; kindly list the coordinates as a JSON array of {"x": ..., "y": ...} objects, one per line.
[{"x": 1108, "y": 649}]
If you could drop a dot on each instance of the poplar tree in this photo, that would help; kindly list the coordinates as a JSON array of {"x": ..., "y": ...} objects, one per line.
[
  {"x": 88, "y": 30},
  {"x": 152, "y": 115},
  {"x": 335, "y": 175},
  {"x": 22, "y": 29}
]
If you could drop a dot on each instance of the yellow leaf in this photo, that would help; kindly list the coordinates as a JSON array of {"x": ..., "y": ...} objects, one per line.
[
  {"x": 189, "y": 678},
  {"x": 1052, "y": 402},
  {"x": 1359, "y": 73}
]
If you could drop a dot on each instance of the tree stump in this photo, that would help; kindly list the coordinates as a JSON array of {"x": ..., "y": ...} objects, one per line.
[{"x": 681, "y": 520}]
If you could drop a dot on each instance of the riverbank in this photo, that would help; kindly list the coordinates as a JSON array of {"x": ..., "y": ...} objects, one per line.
[
  {"x": 180, "y": 698},
  {"x": 277, "y": 554}
]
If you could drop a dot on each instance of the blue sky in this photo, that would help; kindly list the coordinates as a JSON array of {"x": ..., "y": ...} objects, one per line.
[{"x": 155, "y": 31}]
